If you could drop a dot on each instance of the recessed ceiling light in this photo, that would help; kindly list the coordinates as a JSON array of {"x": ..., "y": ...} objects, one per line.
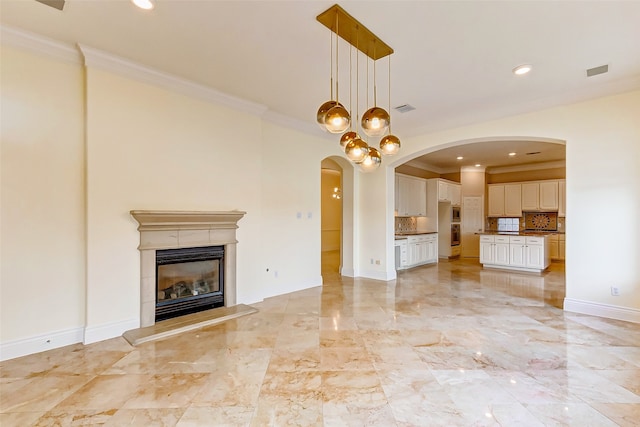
[
  {"x": 522, "y": 69},
  {"x": 143, "y": 4},
  {"x": 459, "y": 158},
  {"x": 512, "y": 154},
  {"x": 478, "y": 165}
]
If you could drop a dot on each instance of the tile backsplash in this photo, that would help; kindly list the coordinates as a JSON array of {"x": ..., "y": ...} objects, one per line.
[
  {"x": 543, "y": 221},
  {"x": 406, "y": 224}
]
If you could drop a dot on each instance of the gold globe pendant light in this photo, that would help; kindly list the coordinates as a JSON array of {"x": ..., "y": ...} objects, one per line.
[
  {"x": 337, "y": 119},
  {"x": 372, "y": 161},
  {"x": 356, "y": 150},
  {"x": 347, "y": 137},
  {"x": 390, "y": 144},
  {"x": 376, "y": 120}
]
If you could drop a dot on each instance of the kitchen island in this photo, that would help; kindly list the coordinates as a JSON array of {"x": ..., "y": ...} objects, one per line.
[{"x": 520, "y": 251}]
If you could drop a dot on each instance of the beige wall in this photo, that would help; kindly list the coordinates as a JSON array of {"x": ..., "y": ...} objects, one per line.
[
  {"x": 42, "y": 232},
  {"x": 532, "y": 175}
]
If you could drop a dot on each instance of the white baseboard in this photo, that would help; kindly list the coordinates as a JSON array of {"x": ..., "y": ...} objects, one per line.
[
  {"x": 348, "y": 272},
  {"x": 602, "y": 310},
  {"x": 109, "y": 330},
  {"x": 378, "y": 275},
  {"x": 40, "y": 343}
]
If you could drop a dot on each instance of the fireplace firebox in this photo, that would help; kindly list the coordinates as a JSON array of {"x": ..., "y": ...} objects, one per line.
[{"x": 189, "y": 280}]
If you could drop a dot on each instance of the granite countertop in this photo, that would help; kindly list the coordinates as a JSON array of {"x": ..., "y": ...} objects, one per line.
[
  {"x": 404, "y": 235},
  {"x": 522, "y": 233}
]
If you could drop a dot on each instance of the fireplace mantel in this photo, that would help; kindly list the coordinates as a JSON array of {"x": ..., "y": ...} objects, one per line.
[
  {"x": 162, "y": 229},
  {"x": 186, "y": 220}
]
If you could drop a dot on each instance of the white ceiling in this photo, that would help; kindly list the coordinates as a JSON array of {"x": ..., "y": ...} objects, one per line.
[{"x": 452, "y": 60}]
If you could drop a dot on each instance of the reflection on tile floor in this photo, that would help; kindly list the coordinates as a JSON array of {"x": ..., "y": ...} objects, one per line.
[{"x": 444, "y": 345}]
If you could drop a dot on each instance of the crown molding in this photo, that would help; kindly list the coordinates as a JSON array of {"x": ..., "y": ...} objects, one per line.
[
  {"x": 33, "y": 42},
  {"x": 105, "y": 61},
  {"x": 529, "y": 167}
]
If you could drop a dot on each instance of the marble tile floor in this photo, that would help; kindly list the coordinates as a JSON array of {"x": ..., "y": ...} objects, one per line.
[{"x": 443, "y": 345}]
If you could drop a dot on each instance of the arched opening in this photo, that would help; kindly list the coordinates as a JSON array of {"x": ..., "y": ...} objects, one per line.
[
  {"x": 337, "y": 181},
  {"x": 533, "y": 159}
]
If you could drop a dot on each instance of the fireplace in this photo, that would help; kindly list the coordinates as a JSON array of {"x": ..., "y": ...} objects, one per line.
[
  {"x": 189, "y": 280},
  {"x": 168, "y": 235}
]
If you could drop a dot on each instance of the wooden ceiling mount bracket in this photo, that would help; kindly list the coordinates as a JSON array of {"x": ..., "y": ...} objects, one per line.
[{"x": 354, "y": 33}]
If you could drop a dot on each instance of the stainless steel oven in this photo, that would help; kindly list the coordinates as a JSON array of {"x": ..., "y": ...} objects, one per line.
[
  {"x": 455, "y": 234},
  {"x": 455, "y": 214}
]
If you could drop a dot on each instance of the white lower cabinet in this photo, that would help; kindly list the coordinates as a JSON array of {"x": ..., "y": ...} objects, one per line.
[
  {"x": 525, "y": 253},
  {"x": 421, "y": 249},
  {"x": 494, "y": 250}
]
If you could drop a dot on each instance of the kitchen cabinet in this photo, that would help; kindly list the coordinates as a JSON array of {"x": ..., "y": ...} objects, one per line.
[
  {"x": 402, "y": 254},
  {"x": 496, "y": 200},
  {"x": 548, "y": 196},
  {"x": 554, "y": 247},
  {"x": 411, "y": 196},
  {"x": 494, "y": 250},
  {"x": 562, "y": 197},
  {"x": 505, "y": 200},
  {"x": 540, "y": 196},
  {"x": 522, "y": 253},
  {"x": 421, "y": 249},
  {"x": 449, "y": 192},
  {"x": 530, "y": 196}
]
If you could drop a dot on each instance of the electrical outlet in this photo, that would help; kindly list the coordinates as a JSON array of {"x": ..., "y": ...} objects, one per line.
[
  {"x": 371, "y": 261},
  {"x": 377, "y": 262},
  {"x": 615, "y": 291},
  {"x": 275, "y": 274}
]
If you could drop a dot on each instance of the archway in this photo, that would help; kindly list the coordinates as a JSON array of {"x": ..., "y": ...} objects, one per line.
[
  {"x": 337, "y": 238},
  {"x": 480, "y": 185}
]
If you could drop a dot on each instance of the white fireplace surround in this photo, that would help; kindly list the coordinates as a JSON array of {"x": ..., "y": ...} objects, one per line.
[{"x": 183, "y": 229}]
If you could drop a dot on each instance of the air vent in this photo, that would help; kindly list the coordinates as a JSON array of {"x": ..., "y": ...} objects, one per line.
[
  {"x": 597, "y": 70},
  {"x": 56, "y": 4},
  {"x": 404, "y": 108}
]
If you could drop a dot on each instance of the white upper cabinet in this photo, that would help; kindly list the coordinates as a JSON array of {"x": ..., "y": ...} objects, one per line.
[
  {"x": 505, "y": 200},
  {"x": 549, "y": 196},
  {"x": 510, "y": 200},
  {"x": 496, "y": 200},
  {"x": 513, "y": 200},
  {"x": 449, "y": 192},
  {"x": 530, "y": 196},
  {"x": 411, "y": 196},
  {"x": 455, "y": 192}
]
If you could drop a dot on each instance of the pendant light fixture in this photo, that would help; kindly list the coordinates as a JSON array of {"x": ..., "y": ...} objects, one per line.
[
  {"x": 372, "y": 161},
  {"x": 334, "y": 117},
  {"x": 390, "y": 144},
  {"x": 321, "y": 115},
  {"x": 375, "y": 121},
  {"x": 337, "y": 119}
]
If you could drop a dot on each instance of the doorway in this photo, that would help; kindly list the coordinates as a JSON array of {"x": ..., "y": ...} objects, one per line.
[{"x": 331, "y": 200}]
